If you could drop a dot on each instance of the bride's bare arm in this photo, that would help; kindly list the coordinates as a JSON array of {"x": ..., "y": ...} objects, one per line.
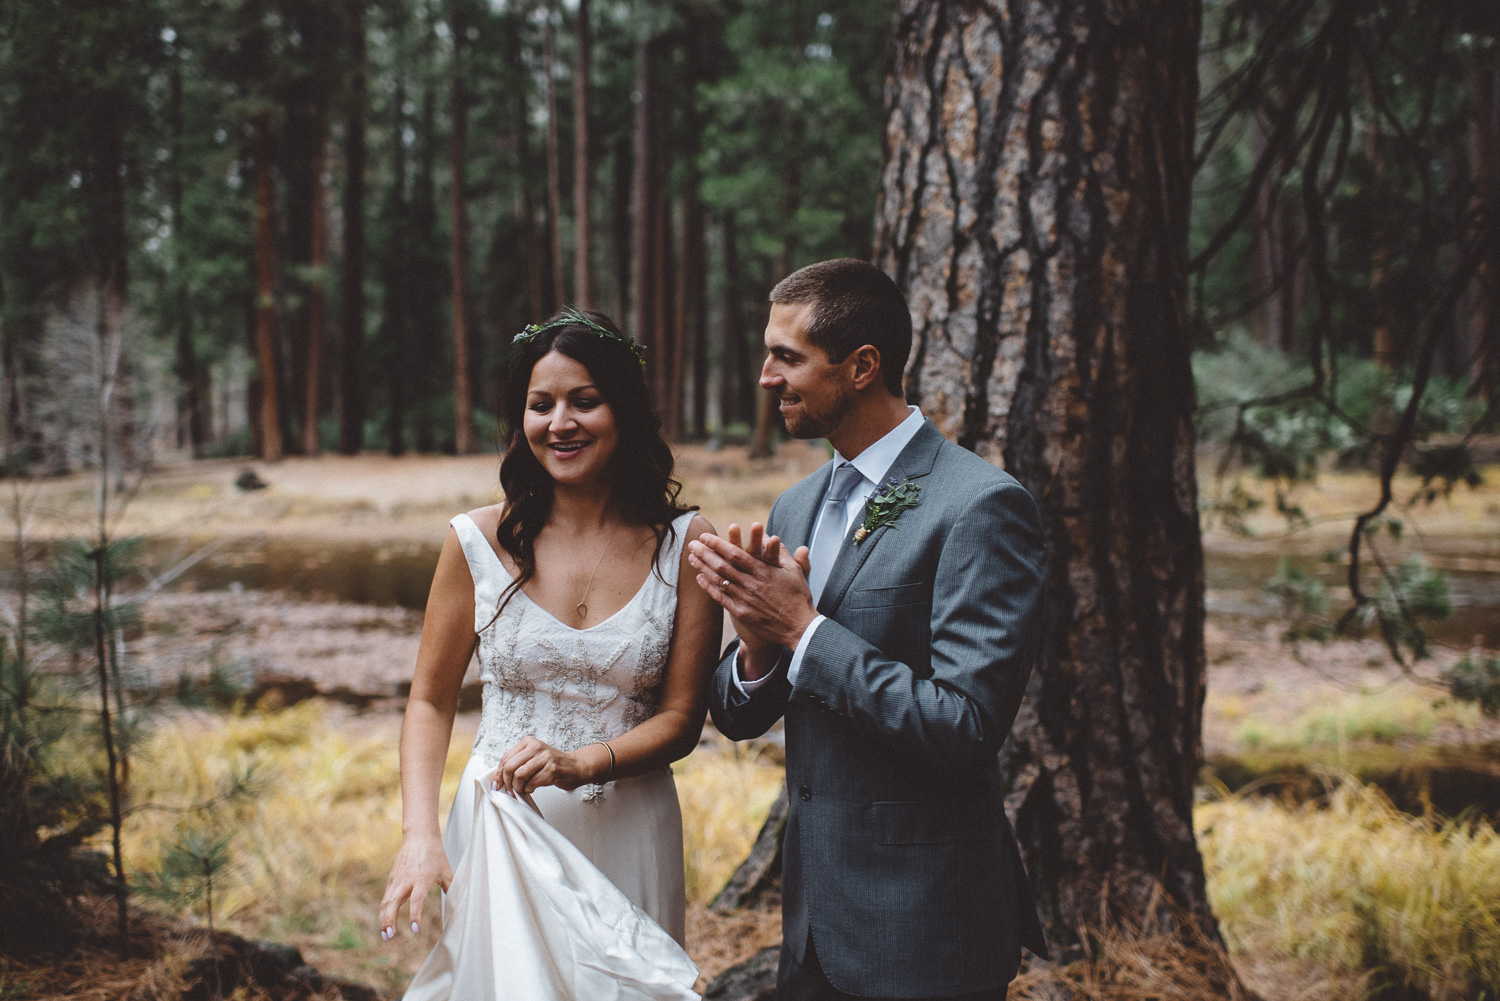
[
  {"x": 660, "y": 740},
  {"x": 447, "y": 644}
]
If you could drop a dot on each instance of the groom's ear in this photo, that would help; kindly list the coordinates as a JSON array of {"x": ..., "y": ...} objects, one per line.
[{"x": 866, "y": 360}]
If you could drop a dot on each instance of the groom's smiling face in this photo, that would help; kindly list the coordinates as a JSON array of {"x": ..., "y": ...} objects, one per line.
[{"x": 814, "y": 394}]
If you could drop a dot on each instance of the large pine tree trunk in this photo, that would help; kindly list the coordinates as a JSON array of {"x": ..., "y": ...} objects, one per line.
[
  {"x": 583, "y": 248},
  {"x": 1035, "y": 209},
  {"x": 352, "y": 276},
  {"x": 265, "y": 283}
]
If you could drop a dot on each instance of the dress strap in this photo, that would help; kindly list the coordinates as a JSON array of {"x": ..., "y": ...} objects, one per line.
[
  {"x": 671, "y": 550},
  {"x": 490, "y": 575}
]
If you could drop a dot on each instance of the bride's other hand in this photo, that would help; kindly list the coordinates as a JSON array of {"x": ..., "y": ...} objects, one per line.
[
  {"x": 531, "y": 764},
  {"x": 420, "y": 863}
]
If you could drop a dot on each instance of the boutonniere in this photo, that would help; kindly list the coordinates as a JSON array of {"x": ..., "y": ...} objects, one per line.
[{"x": 889, "y": 501}]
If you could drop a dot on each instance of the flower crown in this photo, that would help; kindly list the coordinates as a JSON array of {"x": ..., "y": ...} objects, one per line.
[{"x": 572, "y": 316}]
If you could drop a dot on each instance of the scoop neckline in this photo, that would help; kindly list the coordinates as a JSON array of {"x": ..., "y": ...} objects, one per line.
[{"x": 547, "y": 612}]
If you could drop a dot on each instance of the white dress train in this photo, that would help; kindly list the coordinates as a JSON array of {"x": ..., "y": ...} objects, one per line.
[{"x": 529, "y": 917}]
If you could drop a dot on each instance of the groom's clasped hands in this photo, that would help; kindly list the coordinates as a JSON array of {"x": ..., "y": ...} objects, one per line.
[{"x": 762, "y": 587}]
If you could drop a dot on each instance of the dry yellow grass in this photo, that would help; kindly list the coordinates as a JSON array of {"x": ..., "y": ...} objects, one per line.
[
  {"x": 1354, "y": 886},
  {"x": 1322, "y": 901},
  {"x": 1384, "y": 715},
  {"x": 312, "y": 849},
  {"x": 725, "y": 794}
]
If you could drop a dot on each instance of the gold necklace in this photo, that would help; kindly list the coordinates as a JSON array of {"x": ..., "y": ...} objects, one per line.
[{"x": 582, "y": 608}]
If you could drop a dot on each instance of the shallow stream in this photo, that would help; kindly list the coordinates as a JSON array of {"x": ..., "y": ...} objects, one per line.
[{"x": 399, "y": 574}]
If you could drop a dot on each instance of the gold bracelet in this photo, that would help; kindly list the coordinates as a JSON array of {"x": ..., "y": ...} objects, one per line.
[{"x": 611, "y": 774}]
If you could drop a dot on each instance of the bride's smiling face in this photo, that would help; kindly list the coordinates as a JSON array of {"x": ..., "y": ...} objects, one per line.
[{"x": 569, "y": 425}]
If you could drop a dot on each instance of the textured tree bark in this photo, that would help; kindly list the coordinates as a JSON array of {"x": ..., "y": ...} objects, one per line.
[
  {"x": 583, "y": 248},
  {"x": 265, "y": 305},
  {"x": 352, "y": 274},
  {"x": 463, "y": 396},
  {"x": 1035, "y": 209}
]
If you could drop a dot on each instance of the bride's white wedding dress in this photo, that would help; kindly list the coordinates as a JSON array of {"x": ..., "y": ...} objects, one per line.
[{"x": 590, "y": 902}]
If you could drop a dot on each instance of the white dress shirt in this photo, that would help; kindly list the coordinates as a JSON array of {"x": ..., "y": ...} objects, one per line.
[{"x": 873, "y": 464}]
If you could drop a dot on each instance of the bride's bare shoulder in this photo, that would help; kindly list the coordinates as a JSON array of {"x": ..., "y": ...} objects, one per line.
[{"x": 487, "y": 518}]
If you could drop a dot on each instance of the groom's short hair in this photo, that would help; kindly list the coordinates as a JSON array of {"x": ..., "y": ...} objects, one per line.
[{"x": 853, "y": 303}]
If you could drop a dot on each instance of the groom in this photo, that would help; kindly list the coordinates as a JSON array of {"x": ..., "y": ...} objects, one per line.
[{"x": 890, "y": 615}]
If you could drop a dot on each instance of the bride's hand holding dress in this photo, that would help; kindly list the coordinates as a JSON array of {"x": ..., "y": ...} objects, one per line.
[{"x": 448, "y": 641}]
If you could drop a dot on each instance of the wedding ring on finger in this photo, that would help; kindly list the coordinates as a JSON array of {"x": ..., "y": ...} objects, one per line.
[{"x": 724, "y": 585}]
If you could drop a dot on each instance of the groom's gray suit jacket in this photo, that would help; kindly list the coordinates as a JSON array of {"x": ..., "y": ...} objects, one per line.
[{"x": 898, "y": 859}]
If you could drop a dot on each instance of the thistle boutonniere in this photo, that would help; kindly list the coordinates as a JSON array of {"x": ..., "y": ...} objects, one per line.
[{"x": 889, "y": 501}]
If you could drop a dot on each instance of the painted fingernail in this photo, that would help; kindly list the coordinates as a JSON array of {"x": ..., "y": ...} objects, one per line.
[{"x": 414, "y": 927}]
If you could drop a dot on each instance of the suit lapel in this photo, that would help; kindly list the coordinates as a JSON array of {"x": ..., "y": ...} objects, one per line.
[{"x": 914, "y": 462}]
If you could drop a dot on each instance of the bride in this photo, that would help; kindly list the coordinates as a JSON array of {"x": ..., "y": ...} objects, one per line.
[{"x": 594, "y": 660}]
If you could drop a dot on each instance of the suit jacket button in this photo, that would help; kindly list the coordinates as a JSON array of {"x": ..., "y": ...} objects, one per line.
[{"x": 805, "y": 793}]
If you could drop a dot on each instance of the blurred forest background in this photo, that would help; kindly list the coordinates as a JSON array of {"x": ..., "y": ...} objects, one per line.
[
  {"x": 1217, "y": 280},
  {"x": 316, "y": 225}
]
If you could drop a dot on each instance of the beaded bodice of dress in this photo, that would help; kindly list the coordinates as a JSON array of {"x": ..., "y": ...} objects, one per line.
[{"x": 566, "y": 686}]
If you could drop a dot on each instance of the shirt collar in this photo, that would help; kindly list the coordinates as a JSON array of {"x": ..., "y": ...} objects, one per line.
[{"x": 874, "y": 462}]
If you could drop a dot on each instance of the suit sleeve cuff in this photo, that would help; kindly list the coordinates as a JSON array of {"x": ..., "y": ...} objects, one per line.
[
  {"x": 747, "y": 688},
  {"x": 794, "y": 666}
]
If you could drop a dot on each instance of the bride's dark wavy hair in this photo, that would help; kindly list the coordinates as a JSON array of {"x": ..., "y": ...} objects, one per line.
[{"x": 642, "y": 486}]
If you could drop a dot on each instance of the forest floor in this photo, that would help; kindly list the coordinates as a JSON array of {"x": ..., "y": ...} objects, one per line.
[{"x": 1313, "y": 704}]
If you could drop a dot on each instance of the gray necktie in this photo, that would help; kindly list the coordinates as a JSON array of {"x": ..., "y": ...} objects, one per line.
[{"x": 830, "y": 534}]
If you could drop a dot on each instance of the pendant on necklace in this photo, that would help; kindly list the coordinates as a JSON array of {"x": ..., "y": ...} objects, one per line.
[{"x": 582, "y": 610}]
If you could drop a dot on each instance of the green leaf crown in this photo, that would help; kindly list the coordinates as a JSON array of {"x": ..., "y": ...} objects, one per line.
[{"x": 572, "y": 316}]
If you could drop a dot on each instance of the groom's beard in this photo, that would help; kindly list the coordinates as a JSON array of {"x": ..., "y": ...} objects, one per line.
[{"x": 805, "y": 422}]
